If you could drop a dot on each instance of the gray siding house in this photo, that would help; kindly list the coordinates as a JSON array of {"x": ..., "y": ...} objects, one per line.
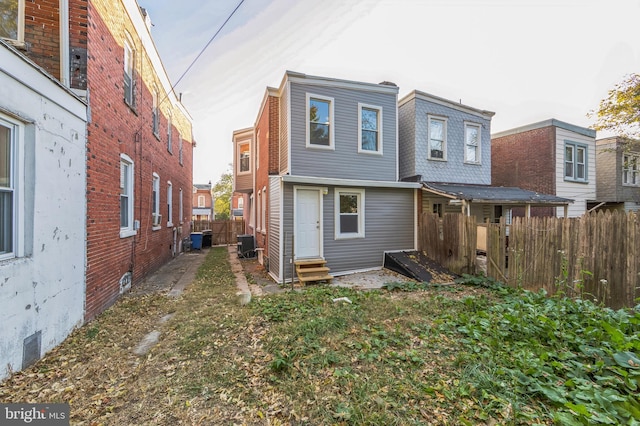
[
  {"x": 617, "y": 175},
  {"x": 444, "y": 141},
  {"x": 335, "y": 194},
  {"x": 446, "y": 146}
]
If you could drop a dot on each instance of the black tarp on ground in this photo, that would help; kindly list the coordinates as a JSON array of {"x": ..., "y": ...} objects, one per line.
[{"x": 415, "y": 265}]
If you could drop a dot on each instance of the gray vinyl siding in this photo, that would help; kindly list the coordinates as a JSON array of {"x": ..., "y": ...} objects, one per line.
[
  {"x": 454, "y": 169},
  {"x": 287, "y": 230},
  {"x": 284, "y": 130},
  {"x": 407, "y": 139},
  {"x": 389, "y": 226},
  {"x": 275, "y": 197},
  {"x": 344, "y": 161}
]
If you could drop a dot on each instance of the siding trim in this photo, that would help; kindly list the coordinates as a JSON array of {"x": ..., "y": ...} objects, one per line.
[{"x": 314, "y": 180}]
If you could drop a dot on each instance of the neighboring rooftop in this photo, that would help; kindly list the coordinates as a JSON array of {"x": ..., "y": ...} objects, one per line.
[
  {"x": 547, "y": 123},
  {"x": 494, "y": 194}
]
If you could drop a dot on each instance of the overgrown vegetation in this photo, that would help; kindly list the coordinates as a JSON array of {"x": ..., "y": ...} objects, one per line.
[{"x": 474, "y": 352}]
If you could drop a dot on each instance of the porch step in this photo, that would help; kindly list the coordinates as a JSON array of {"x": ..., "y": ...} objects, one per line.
[{"x": 310, "y": 270}]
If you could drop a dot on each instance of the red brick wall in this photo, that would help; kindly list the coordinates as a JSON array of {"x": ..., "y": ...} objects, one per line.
[
  {"x": 42, "y": 34},
  {"x": 114, "y": 129},
  {"x": 526, "y": 160}
]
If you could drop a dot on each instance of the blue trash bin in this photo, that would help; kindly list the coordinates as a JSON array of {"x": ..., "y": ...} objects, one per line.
[{"x": 196, "y": 241}]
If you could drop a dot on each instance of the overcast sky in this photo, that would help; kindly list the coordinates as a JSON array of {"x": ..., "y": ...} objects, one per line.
[{"x": 525, "y": 60}]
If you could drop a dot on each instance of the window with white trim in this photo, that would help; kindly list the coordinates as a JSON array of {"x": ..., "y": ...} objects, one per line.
[
  {"x": 349, "y": 213},
  {"x": 11, "y": 203},
  {"x": 156, "y": 216},
  {"x": 370, "y": 129},
  {"x": 129, "y": 67},
  {"x": 181, "y": 210},
  {"x": 244, "y": 157},
  {"x": 201, "y": 201},
  {"x": 126, "y": 196},
  {"x": 155, "y": 113},
  {"x": 630, "y": 170},
  {"x": 240, "y": 202},
  {"x": 12, "y": 20},
  {"x": 319, "y": 129},
  {"x": 472, "y": 144},
  {"x": 169, "y": 203},
  {"x": 180, "y": 152},
  {"x": 437, "y": 142},
  {"x": 575, "y": 161},
  {"x": 169, "y": 134},
  {"x": 263, "y": 220}
]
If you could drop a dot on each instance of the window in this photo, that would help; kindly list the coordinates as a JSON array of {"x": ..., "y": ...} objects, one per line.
[
  {"x": 437, "y": 130},
  {"x": 370, "y": 132},
  {"x": 169, "y": 204},
  {"x": 9, "y": 196},
  {"x": 244, "y": 157},
  {"x": 630, "y": 170},
  {"x": 12, "y": 20},
  {"x": 200, "y": 200},
  {"x": 180, "y": 149},
  {"x": 263, "y": 220},
  {"x": 181, "y": 212},
  {"x": 129, "y": 81},
  {"x": 575, "y": 162},
  {"x": 472, "y": 135},
  {"x": 320, "y": 128},
  {"x": 155, "y": 200},
  {"x": 169, "y": 136},
  {"x": 240, "y": 202},
  {"x": 349, "y": 213},
  {"x": 126, "y": 196},
  {"x": 437, "y": 209},
  {"x": 155, "y": 113}
]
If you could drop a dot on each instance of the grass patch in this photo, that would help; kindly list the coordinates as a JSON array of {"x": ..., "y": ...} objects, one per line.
[{"x": 470, "y": 353}]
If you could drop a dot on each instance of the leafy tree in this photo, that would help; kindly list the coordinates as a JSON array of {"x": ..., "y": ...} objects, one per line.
[
  {"x": 222, "y": 192},
  {"x": 619, "y": 113}
]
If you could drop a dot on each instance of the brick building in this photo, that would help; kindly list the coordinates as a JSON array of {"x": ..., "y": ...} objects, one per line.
[
  {"x": 550, "y": 157},
  {"x": 139, "y": 136},
  {"x": 202, "y": 202}
]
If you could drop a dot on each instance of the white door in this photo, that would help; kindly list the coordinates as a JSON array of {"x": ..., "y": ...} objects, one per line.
[{"x": 308, "y": 227}]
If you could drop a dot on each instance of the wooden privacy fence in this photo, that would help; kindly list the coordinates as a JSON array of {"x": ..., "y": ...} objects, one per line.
[
  {"x": 450, "y": 241},
  {"x": 222, "y": 231},
  {"x": 593, "y": 257}
]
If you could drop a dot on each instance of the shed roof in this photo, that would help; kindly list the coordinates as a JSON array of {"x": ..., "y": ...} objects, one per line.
[{"x": 494, "y": 194}]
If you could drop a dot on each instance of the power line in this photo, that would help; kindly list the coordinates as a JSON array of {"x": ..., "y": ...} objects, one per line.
[{"x": 207, "y": 45}]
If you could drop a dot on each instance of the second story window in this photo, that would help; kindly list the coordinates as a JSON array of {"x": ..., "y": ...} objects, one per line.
[
  {"x": 472, "y": 143},
  {"x": 320, "y": 125},
  {"x": 129, "y": 80},
  {"x": 575, "y": 162},
  {"x": 244, "y": 157},
  {"x": 12, "y": 20},
  {"x": 201, "y": 201},
  {"x": 630, "y": 170},
  {"x": 437, "y": 131},
  {"x": 155, "y": 114},
  {"x": 169, "y": 135},
  {"x": 370, "y": 132},
  {"x": 180, "y": 152}
]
